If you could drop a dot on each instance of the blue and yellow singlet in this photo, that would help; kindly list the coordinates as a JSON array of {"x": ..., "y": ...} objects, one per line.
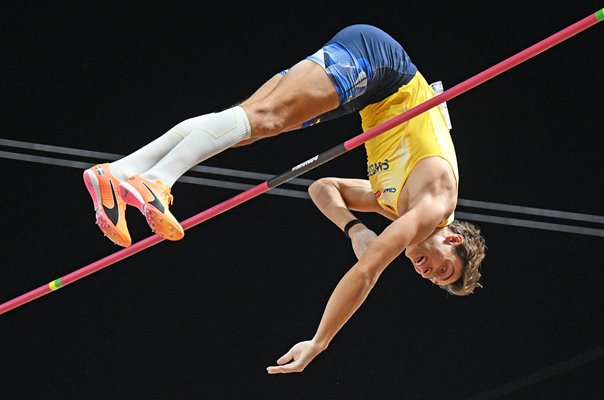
[{"x": 373, "y": 75}]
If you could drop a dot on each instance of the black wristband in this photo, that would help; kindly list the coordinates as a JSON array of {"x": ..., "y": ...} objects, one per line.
[{"x": 350, "y": 225}]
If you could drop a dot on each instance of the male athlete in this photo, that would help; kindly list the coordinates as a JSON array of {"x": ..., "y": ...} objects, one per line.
[{"x": 412, "y": 168}]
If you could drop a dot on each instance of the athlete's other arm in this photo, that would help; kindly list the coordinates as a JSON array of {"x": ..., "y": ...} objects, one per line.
[
  {"x": 352, "y": 290},
  {"x": 336, "y": 197}
]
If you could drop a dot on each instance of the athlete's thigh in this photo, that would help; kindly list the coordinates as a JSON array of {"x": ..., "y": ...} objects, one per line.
[
  {"x": 264, "y": 90},
  {"x": 303, "y": 93}
]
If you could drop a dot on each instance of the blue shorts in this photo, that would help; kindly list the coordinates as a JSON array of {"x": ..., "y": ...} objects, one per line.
[{"x": 365, "y": 64}]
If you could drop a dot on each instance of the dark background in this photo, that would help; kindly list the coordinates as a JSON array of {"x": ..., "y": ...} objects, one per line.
[{"x": 203, "y": 317}]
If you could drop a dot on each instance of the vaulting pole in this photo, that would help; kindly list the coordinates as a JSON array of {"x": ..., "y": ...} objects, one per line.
[{"x": 314, "y": 162}]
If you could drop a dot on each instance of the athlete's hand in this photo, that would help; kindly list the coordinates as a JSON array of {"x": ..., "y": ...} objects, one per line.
[
  {"x": 296, "y": 359},
  {"x": 361, "y": 238}
]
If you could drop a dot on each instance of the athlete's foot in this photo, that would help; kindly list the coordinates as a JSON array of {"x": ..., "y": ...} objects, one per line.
[
  {"x": 153, "y": 200},
  {"x": 109, "y": 207}
]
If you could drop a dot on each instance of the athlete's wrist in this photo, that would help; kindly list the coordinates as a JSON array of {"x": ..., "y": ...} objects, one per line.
[{"x": 353, "y": 226}]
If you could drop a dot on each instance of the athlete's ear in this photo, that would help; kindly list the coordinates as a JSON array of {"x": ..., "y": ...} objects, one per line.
[{"x": 454, "y": 238}]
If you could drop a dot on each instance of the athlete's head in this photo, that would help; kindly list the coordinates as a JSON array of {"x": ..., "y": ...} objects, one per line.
[{"x": 450, "y": 257}]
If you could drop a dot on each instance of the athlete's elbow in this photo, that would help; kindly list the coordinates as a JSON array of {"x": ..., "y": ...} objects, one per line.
[
  {"x": 373, "y": 262},
  {"x": 369, "y": 278},
  {"x": 319, "y": 187},
  {"x": 314, "y": 189},
  {"x": 368, "y": 275}
]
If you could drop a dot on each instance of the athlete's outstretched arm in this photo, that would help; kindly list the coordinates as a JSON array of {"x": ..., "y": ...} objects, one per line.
[{"x": 354, "y": 287}]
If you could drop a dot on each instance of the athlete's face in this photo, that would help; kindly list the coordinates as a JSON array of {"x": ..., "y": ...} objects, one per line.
[{"x": 435, "y": 259}]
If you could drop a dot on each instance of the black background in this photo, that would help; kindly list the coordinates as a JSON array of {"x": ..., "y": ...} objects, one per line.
[{"x": 203, "y": 317}]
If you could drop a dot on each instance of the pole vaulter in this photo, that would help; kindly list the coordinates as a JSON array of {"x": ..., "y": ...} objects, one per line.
[{"x": 315, "y": 161}]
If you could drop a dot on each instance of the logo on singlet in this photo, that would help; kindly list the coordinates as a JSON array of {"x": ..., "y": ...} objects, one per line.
[{"x": 377, "y": 167}]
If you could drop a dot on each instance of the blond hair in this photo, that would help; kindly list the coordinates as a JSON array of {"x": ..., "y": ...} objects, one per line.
[{"x": 471, "y": 252}]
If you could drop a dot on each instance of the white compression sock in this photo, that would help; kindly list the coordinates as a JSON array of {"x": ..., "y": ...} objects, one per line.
[
  {"x": 217, "y": 133},
  {"x": 147, "y": 156}
]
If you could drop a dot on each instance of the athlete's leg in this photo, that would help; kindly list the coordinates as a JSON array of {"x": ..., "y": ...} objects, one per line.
[
  {"x": 307, "y": 83},
  {"x": 283, "y": 103},
  {"x": 262, "y": 92},
  {"x": 147, "y": 156},
  {"x": 305, "y": 92},
  {"x": 265, "y": 89}
]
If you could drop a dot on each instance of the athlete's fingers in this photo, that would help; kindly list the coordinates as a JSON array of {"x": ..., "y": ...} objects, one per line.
[
  {"x": 284, "y": 369},
  {"x": 284, "y": 359}
]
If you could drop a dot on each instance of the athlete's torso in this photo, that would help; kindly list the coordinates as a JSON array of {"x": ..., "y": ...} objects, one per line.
[
  {"x": 392, "y": 156},
  {"x": 373, "y": 74}
]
